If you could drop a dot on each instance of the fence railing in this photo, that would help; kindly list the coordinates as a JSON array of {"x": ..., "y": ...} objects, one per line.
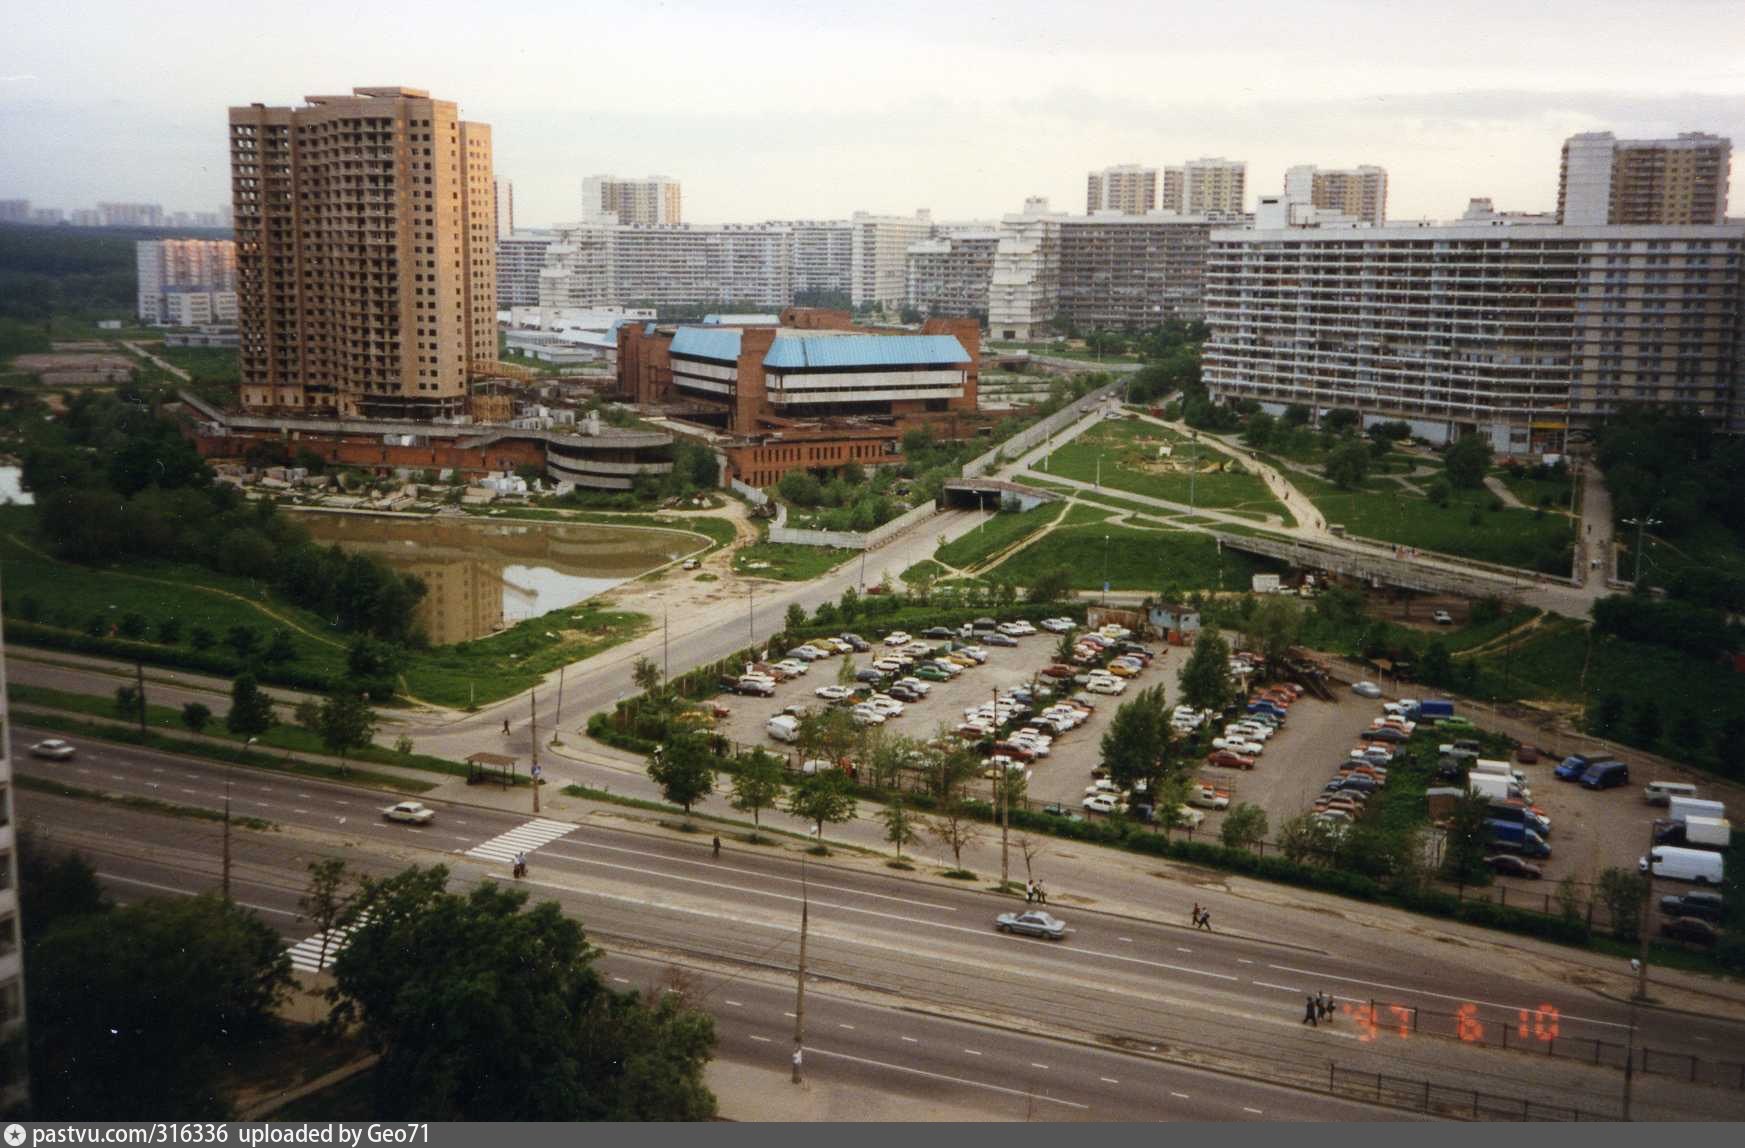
[
  {"x": 1030, "y": 436},
  {"x": 1446, "y": 1100}
]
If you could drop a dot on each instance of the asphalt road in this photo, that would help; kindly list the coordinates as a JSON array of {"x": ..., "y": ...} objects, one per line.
[{"x": 1209, "y": 999}]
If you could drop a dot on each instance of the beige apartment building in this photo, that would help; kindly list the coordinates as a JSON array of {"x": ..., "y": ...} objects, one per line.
[
  {"x": 1359, "y": 193},
  {"x": 366, "y": 254},
  {"x": 1129, "y": 189},
  {"x": 1210, "y": 186},
  {"x": 656, "y": 199},
  {"x": 1603, "y": 179}
]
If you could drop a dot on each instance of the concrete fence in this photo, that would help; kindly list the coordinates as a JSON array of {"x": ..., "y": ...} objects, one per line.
[
  {"x": 779, "y": 531},
  {"x": 750, "y": 493},
  {"x": 1030, "y": 436}
]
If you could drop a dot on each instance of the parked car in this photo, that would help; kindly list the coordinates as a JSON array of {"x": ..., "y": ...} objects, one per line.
[
  {"x": 1035, "y": 923},
  {"x": 1057, "y": 625},
  {"x": 897, "y": 638},
  {"x": 691, "y": 564},
  {"x": 1104, "y": 803},
  {"x": 1207, "y": 798},
  {"x": 833, "y": 693},
  {"x": 1527, "y": 754},
  {"x": 1708, "y": 906},
  {"x": 1106, "y": 686},
  {"x": 868, "y": 674},
  {"x": 859, "y": 643},
  {"x": 1692, "y": 930},
  {"x": 1229, "y": 760},
  {"x": 1509, "y": 865},
  {"x": 997, "y": 639},
  {"x": 1366, "y": 689},
  {"x": 1605, "y": 775},
  {"x": 1442, "y": 618},
  {"x": 938, "y": 632},
  {"x": 1054, "y": 809},
  {"x": 54, "y": 749},
  {"x": 409, "y": 812}
]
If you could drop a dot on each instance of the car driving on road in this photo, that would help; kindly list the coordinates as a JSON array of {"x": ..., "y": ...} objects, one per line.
[
  {"x": 54, "y": 749},
  {"x": 409, "y": 812},
  {"x": 1033, "y": 924}
]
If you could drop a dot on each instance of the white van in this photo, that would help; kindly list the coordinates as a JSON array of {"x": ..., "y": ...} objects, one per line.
[
  {"x": 1699, "y": 865},
  {"x": 1662, "y": 792},
  {"x": 783, "y": 727},
  {"x": 1683, "y": 807}
]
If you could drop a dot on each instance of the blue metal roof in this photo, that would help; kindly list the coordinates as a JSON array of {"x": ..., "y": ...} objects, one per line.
[
  {"x": 706, "y": 343},
  {"x": 799, "y": 352}
]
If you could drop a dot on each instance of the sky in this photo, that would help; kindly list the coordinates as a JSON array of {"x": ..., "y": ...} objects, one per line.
[{"x": 781, "y": 110}]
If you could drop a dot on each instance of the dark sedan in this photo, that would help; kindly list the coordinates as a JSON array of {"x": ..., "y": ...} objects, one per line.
[{"x": 1509, "y": 866}]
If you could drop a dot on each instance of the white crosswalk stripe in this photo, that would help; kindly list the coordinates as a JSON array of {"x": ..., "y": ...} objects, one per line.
[
  {"x": 523, "y": 839},
  {"x": 306, "y": 954}
]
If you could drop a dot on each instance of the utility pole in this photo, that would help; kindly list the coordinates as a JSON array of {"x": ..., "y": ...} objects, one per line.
[
  {"x": 750, "y": 615},
  {"x": 1647, "y": 917},
  {"x": 139, "y": 677},
  {"x": 1105, "y": 569},
  {"x": 666, "y": 654},
  {"x": 533, "y": 730},
  {"x": 1641, "y": 524},
  {"x": 1193, "y": 470},
  {"x": 1005, "y": 802},
  {"x": 225, "y": 879},
  {"x": 557, "y": 718},
  {"x": 800, "y": 979}
]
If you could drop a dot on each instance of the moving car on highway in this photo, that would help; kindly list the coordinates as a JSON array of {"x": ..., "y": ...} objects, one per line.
[
  {"x": 1033, "y": 924},
  {"x": 54, "y": 749},
  {"x": 409, "y": 812}
]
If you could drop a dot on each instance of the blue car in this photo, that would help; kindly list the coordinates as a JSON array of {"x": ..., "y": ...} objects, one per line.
[{"x": 1572, "y": 767}]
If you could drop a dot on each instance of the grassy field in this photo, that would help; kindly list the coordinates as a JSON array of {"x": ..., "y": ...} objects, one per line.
[
  {"x": 1062, "y": 351},
  {"x": 996, "y": 533},
  {"x": 1466, "y": 526},
  {"x": 1128, "y": 451},
  {"x": 926, "y": 568},
  {"x": 1160, "y": 560},
  {"x": 789, "y": 563},
  {"x": 1554, "y": 495},
  {"x": 719, "y": 531},
  {"x": 1085, "y": 514}
]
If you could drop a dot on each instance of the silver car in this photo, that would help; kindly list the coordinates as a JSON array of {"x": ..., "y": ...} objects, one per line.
[{"x": 1034, "y": 923}]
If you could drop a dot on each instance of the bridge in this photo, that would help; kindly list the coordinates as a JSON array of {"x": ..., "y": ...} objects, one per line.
[{"x": 1381, "y": 569}]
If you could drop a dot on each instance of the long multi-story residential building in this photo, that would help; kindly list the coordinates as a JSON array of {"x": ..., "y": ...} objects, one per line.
[
  {"x": 366, "y": 254},
  {"x": 1024, "y": 285},
  {"x": 1172, "y": 192},
  {"x": 1128, "y": 188},
  {"x": 1513, "y": 331},
  {"x": 879, "y": 255},
  {"x": 1604, "y": 179},
  {"x": 15, "y": 211},
  {"x": 131, "y": 214},
  {"x": 654, "y": 200},
  {"x": 1212, "y": 186},
  {"x": 1359, "y": 193},
  {"x": 822, "y": 259},
  {"x": 950, "y": 275},
  {"x": 1131, "y": 271},
  {"x": 186, "y": 282},
  {"x": 607, "y": 264},
  {"x": 505, "y": 193},
  {"x": 520, "y": 260}
]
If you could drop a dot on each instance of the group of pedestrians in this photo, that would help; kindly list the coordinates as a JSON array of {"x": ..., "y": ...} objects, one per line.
[
  {"x": 1202, "y": 918},
  {"x": 1318, "y": 1008},
  {"x": 1034, "y": 893}
]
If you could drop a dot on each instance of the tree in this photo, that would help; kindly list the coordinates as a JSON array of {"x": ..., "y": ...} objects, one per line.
[
  {"x": 850, "y": 604},
  {"x": 54, "y": 885},
  {"x": 1436, "y": 666},
  {"x": 1340, "y": 420},
  {"x": 1065, "y": 648},
  {"x": 347, "y": 721},
  {"x": 539, "y": 1036},
  {"x": 757, "y": 785},
  {"x": 1467, "y": 840},
  {"x": 1605, "y": 719},
  {"x": 131, "y": 626},
  {"x": 130, "y": 703},
  {"x": 1134, "y": 745},
  {"x": 281, "y": 649},
  {"x": 326, "y": 903},
  {"x": 795, "y": 621},
  {"x": 1243, "y": 826},
  {"x": 824, "y": 797},
  {"x": 170, "y": 631},
  {"x": 1645, "y": 724},
  {"x": 899, "y": 826},
  {"x": 251, "y": 711},
  {"x": 685, "y": 772},
  {"x": 1466, "y": 462},
  {"x": 645, "y": 672},
  {"x": 196, "y": 716},
  {"x": 1051, "y": 585},
  {"x": 1297, "y": 415},
  {"x": 1260, "y": 430},
  {"x": 1347, "y": 465},
  {"x": 201, "y": 638},
  {"x": 845, "y": 671},
  {"x": 953, "y": 828},
  {"x": 242, "y": 639},
  {"x": 1272, "y": 629},
  {"x": 1439, "y": 492},
  {"x": 1306, "y": 839},
  {"x": 1623, "y": 892},
  {"x": 131, "y": 1009},
  {"x": 1205, "y": 679}
]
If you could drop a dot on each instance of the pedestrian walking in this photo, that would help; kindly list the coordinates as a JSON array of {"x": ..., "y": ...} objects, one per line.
[
  {"x": 1206, "y": 919},
  {"x": 1029, "y": 892},
  {"x": 717, "y": 846},
  {"x": 1041, "y": 894},
  {"x": 1328, "y": 1006},
  {"x": 1196, "y": 917},
  {"x": 505, "y": 725},
  {"x": 1309, "y": 1012},
  {"x": 520, "y": 864}
]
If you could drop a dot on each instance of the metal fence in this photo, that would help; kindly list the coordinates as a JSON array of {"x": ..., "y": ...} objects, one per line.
[{"x": 1445, "y": 1100}]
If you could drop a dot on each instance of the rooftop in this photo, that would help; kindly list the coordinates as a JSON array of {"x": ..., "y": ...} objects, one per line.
[{"x": 795, "y": 350}]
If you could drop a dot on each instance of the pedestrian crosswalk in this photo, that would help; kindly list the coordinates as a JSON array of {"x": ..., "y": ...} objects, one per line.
[
  {"x": 307, "y": 954},
  {"x": 522, "y": 839}
]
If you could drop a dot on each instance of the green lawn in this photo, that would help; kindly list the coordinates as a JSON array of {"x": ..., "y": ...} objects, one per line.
[
  {"x": 1062, "y": 351},
  {"x": 926, "y": 568},
  {"x": 719, "y": 531},
  {"x": 1381, "y": 510},
  {"x": 1160, "y": 560},
  {"x": 1130, "y": 462},
  {"x": 789, "y": 563},
  {"x": 997, "y": 532},
  {"x": 1083, "y": 514},
  {"x": 206, "y": 364},
  {"x": 1535, "y": 491}
]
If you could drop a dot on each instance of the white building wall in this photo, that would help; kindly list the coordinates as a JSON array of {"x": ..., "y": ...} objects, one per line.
[
  {"x": 1588, "y": 190},
  {"x": 879, "y": 255}
]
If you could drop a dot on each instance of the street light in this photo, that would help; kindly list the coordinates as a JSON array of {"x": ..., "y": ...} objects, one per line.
[
  {"x": 1641, "y": 524},
  {"x": 1105, "y": 569}
]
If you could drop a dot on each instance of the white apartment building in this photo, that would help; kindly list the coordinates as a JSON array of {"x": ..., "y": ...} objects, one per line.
[
  {"x": 822, "y": 259},
  {"x": 505, "y": 193},
  {"x": 593, "y": 265},
  {"x": 1024, "y": 285},
  {"x": 1127, "y": 188},
  {"x": 950, "y": 275},
  {"x": 1513, "y": 331},
  {"x": 1131, "y": 272},
  {"x": 520, "y": 259},
  {"x": 652, "y": 200},
  {"x": 879, "y": 255},
  {"x": 182, "y": 277}
]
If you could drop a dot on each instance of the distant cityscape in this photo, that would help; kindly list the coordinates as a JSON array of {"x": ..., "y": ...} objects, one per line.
[{"x": 111, "y": 215}]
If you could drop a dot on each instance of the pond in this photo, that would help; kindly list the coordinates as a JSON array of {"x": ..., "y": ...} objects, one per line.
[{"x": 485, "y": 576}]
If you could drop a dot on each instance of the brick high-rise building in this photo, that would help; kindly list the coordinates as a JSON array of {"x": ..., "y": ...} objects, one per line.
[
  {"x": 1129, "y": 189},
  {"x": 366, "y": 254},
  {"x": 1603, "y": 179},
  {"x": 656, "y": 199}
]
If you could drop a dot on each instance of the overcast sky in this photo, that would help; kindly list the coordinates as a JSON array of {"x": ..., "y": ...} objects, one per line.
[{"x": 813, "y": 109}]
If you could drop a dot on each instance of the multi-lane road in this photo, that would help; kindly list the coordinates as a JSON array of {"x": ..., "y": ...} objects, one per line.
[{"x": 924, "y": 964}]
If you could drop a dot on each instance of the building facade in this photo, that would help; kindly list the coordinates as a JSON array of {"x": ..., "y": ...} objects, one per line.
[
  {"x": 1024, "y": 285},
  {"x": 1214, "y": 186},
  {"x": 366, "y": 254},
  {"x": 607, "y": 264},
  {"x": 1359, "y": 193},
  {"x": 520, "y": 259},
  {"x": 1129, "y": 189},
  {"x": 505, "y": 193},
  {"x": 130, "y": 214},
  {"x": 951, "y": 275},
  {"x": 183, "y": 277},
  {"x": 822, "y": 260},
  {"x": 1603, "y": 179},
  {"x": 16, "y": 1092},
  {"x": 1515, "y": 332},
  {"x": 879, "y": 256},
  {"x": 1131, "y": 272},
  {"x": 652, "y": 201}
]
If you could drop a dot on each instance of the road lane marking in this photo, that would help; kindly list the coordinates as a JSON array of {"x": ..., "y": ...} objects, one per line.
[
  {"x": 1034, "y": 1064},
  {"x": 1270, "y": 985},
  {"x": 118, "y": 777},
  {"x": 622, "y": 980},
  {"x": 1243, "y": 961},
  {"x": 1439, "y": 996},
  {"x": 1108, "y": 1080},
  {"x": 1179, "y": 949},
  {"x": 1181, "y": 1096},
  {"x": 951, "y": 1079},
  {"x": 849, "y": 1027},
  {"x": 1129, "y": 940},
  {"x": 187, "y": 791},
  {"x": 911, "y": 1040},
  {"x": 305, "y": 812},
  {"x": 1256, "y": 1111},
  {"x": 759, "y": 1039},
  {"x": 972, "y": 1052},
  {"x": 789, "y": 1015},
  {"x": 733, "y": 1004},
  {"x": 189, "y": 893}
]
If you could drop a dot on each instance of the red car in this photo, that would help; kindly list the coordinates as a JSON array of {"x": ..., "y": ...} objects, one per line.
[
  {"x": 1230, "y": 760},
  {"x": 1059, "y": 671}
]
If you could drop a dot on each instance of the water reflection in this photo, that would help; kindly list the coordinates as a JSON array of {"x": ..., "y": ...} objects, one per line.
[{"x": 485, "y": 575}]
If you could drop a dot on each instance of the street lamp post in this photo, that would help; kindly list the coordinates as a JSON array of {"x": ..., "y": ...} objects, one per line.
[
  {"x": 1105, "y": 569},
  {"x": 750, "y": 614},
  {"x": 1641, "y": 524}
]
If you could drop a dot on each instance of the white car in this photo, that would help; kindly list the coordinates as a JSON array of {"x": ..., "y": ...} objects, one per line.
[
  {"x": 1102, "y": 785},
  {"x": 53, "y": 749},
  {"x": 916, "y": 684},
  {"x": 886, "y": 705},
  {"x": 833, "y": 693},
  {"x": 974, "y": 653},
  {"x": 1011, "y": 629},
  {"x": 409, "y": 812},
  {"x": 1366, "y": 689},
  {"x": 867, "y": 715},
  {"x": 1106, "y": 686},
  {"x": 888, "y": 665},
  {"x": 793, "y": 667},
  {"x": 1442, "y": 618},
  {"x": 897, "y": 638},
  {"x": 949, "y": 669},
  {"x": 1207, "y": 798},
  {"x": 1237, "y": 745},
  {"x": 1057, "y": 625},
  {"x": 1103, "y": 803},
  {"x": 816, "y": 765},
  {"x": 1250, "y": 731}
]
